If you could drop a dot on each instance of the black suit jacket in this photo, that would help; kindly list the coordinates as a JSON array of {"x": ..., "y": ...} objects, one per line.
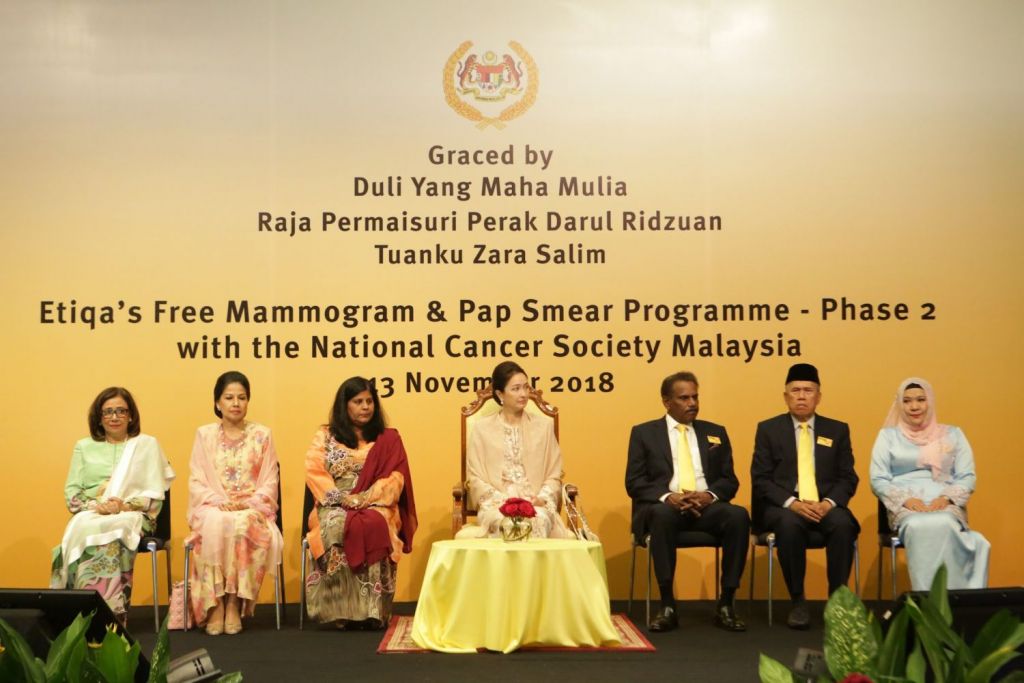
[
  {"x": 773, "y": 469},
  {"x": 649, "y": 466}
]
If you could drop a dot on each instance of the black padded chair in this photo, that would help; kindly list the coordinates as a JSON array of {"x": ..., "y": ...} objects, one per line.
[
  {"x": 686, "y": 539},
  {"x": 308, "y": 502},
  {"x": 278, "y": 575},
  {"x": 153, "y": 543},
  {"x": 766, "y": 539},
  {"x": 887, "y": 538}
]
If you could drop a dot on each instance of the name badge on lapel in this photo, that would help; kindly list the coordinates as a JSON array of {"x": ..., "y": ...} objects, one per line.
[
  {"x": 715, "y": 440},
  {"x": 825, "y": 441}
]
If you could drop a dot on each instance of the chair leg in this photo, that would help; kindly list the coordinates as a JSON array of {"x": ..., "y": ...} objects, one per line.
[
  {"x": 632, "y": 577},
  {"x": 771, "y": 568},
  {"x": 750, "y": 596},
  {"x": 892, "y": 566},
  {"x": 167, "y": 556},
  {"x": 648, "y": 582},
  {"x": 284, "y": 600},
  {"x": 188, "y": 606},
  {"x": 718, "y": 577},
  {"x": 302, "y": 584},
  {"x": 156, "y": 593},
  {"x": 856, "y": 568},
  {"x": 881, "y": 561},
  {"x": 277, "y": 596}
]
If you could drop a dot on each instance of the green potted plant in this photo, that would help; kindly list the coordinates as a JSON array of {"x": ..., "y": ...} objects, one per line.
[
  {"x": 857, "y": 652},
  {"x": 71, "y": 658}
]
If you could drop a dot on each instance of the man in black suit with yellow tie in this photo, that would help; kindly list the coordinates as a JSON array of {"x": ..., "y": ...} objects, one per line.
[
  {"x": 680, "y": 476},
  {"x": 803, "y": 478}
]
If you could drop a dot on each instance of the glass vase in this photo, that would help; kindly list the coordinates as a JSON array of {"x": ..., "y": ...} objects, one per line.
[{"x": 515, "y": 529}]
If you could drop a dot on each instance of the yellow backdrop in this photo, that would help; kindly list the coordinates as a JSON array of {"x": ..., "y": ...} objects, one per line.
[{"x": 871, "y": 151}]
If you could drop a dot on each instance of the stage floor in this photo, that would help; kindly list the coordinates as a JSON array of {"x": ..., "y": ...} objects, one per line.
[{"x": 695, "y": 651}]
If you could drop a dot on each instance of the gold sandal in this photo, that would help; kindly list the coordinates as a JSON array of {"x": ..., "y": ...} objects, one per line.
[
  {"x": 215, "y": 620},
  {"x": 233, "y": 622}
]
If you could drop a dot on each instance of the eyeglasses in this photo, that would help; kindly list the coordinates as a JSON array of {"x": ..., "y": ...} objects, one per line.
[{"x": 111, "y": 412}]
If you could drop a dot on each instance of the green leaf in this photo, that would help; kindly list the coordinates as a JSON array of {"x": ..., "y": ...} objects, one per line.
[
  {"x": 850, "y": 644},
  {"x": 958, "y": 667},
  {"x": 987, "y": 667},
  {"x": 113, "y": 658},
  {"x": 161, "y": 651},
  {"x": 772, "y": 671},
  {"x": 92, "y": 674},
  {"x": 938, "y": 638},
  {"x": 942, "y": 629},
  {"x": 892, "y": 655},
  {"x": 133, "y": 657},
  {"x": 938, "y": 595},
  {"x": 233, "y": 677},
  {"x": 10, "y": 669},
  {"x": 1001, "y": 630},
  {"x": 930, "y": 642},
  {"x": 915, "y": 664},
  {"x": 876, "y": 629},
  {"x": 1013, "y": 677},
  {"x": 73, "y": 669},
  {"x": 64, "y": 646},
  {"x": 19, "y": 654}
]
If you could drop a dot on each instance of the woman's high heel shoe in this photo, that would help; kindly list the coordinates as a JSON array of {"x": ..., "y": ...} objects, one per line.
[
  {"x": 215, "y": 620},
  {"x": 233, "y": 616}
]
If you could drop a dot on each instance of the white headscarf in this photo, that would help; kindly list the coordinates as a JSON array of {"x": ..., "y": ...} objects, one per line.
[{"x": 934, "y": 451}]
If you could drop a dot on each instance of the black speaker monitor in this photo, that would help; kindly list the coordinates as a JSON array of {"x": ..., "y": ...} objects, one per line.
[{"x": 40, "y": 616}]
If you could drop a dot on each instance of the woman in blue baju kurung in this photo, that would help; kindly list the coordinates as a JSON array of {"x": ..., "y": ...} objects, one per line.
[{"x": 923, "y": 472}]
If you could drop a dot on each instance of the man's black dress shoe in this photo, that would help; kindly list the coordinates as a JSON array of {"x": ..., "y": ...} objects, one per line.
[
  {"x": 666, "y": 620},
  {"x": 799, "y": 617},
  {"x": 725, "y": 618}
]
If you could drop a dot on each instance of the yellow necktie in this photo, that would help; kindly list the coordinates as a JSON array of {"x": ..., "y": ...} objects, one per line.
[
  {"x": 687, "y": 478},
  {"x": 807, "y": 487}
]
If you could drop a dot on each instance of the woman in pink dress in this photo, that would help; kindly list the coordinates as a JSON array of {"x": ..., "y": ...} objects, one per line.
[{"x": 233, "y": 494}]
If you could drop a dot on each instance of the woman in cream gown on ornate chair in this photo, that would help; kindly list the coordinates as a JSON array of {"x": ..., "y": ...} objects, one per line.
[{"x": 515, "y": 454}]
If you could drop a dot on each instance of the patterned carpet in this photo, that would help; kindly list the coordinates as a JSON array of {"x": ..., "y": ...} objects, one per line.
[{"x": 398, "y": 639}]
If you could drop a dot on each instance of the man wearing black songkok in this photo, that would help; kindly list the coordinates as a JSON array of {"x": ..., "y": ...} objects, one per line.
[{"x": 803, "y": 478}]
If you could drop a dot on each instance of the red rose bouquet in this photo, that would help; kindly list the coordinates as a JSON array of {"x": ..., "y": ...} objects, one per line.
[
  {"x": 517, "y": 509},
  {"x": 515, "y": 526}
]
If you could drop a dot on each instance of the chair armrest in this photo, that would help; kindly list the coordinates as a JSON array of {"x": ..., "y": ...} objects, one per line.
[
  {"x": 458, "y": 507},
  {"x": 571, "y": 491},
  {"x": 575, "y": 519}
]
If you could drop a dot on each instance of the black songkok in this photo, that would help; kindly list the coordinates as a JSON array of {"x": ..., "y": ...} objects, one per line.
[{"x": 803, "y": 372}]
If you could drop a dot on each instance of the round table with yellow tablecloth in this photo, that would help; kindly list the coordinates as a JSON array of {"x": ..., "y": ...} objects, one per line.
[{"x": 486, "y": 593}]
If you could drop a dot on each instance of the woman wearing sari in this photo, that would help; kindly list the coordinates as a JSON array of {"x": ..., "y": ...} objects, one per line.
[
  {"x": 114, "y": 491},
  {"x": 923, "y": 472},
  {"x": 513, "y": 454},
  {"x": 365, "y": 514},
  {"x": 233, "y": 485}
]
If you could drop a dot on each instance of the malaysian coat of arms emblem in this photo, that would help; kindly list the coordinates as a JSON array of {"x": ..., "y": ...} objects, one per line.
[{"x": 488, "y": 89}]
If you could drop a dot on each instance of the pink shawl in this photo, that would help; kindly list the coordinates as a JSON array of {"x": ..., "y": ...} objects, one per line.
[
  {"x": 934, "y": 451},
  {"x": 206, "y": 492}
]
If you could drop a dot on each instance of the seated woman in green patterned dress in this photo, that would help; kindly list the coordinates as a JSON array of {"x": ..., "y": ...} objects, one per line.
[{"x": 114, "y": 491}]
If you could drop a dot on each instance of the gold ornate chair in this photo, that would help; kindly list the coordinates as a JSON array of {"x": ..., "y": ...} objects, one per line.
[{"x": 482, "y": 405}]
